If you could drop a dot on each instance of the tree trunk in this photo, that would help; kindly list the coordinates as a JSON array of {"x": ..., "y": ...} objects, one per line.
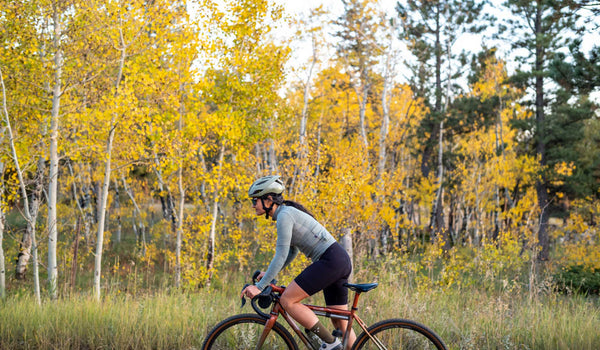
[
  {"x": 541, "y": 182},
  {"x": 437, "y": 213},
  {"x": 104, "y": 199},
  {"x": 107, "y": 172},
  {"x": 179, "y": 226},
  {"x": 2, "y": 221},
  {"x": 76, "y": 252},
  {"x": 210, "y": 260},
  {"x": 318, "y": 151},
  {"x": 166, "y": 200},
  {"x": 362, "y": 95},
  {"x": 385, "y": 121},
  {"x": 300, "y": 171},
  {"x": 117, "y": 208},
  {"x": 26, "y": 243},
  {"x": 53, "y": 176},
  {"x": 11, "y": 141},
  {"x": 179, "y": 237},
  {"x": 138, "y": 223}
]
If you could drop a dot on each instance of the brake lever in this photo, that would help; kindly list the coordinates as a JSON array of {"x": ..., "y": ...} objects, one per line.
[
  {"x": 244, "y": 299},
  {"x": 255, "y": 276}
]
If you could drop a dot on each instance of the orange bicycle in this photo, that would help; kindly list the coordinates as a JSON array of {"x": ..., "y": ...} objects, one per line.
[{"x": 262, "y": 331}]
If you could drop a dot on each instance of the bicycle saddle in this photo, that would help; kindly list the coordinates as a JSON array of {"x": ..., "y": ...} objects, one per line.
[{"x": 362, "y": 287}]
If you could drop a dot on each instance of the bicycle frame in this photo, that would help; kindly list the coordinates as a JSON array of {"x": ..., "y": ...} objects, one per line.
[{"x": 349, "y": 315}]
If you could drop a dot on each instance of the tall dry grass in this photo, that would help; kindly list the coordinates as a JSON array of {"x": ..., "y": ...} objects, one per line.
[{"x": 466, "y": 318}]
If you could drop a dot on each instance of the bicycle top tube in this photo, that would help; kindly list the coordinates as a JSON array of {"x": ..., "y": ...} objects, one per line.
[
  {"x": 355, "y": 287},
  {"x": 330, "y": 312}
]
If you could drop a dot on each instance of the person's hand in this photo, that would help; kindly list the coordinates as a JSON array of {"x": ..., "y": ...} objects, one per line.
[
  {"x": 251, "y": 291},
  {"x": 260, "y": 276}
]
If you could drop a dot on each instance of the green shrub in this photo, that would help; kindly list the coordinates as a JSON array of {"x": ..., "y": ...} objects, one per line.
[{"x": 578, "y": 279}]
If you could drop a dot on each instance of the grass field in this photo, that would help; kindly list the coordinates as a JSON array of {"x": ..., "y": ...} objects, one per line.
[{"x": 466, "y": 318}]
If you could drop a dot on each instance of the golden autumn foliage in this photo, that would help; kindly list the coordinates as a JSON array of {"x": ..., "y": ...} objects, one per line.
[{"x": 204, "y": 105}]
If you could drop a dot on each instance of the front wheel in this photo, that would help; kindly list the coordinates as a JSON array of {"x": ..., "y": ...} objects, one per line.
[
  {"x": 242, "y": 332},
  {"x": 398, "y": 334}
]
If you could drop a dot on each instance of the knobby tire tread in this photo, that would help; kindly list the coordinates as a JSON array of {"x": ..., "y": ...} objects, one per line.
[
  {"x": 247, "y": 318},
  {"x": 363, "y": 339}
]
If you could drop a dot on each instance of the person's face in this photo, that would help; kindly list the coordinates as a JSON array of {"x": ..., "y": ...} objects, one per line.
[{"x": 257, "y": 204}]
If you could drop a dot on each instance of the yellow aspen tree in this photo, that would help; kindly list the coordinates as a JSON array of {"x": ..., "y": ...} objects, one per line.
[
  {"x": 401, "y": 207},
  {"x": 491, "y": 161},
  {"x": 57, "y": 91},
  {"x": 243, "y": 73},
  {"x": 22, "y": 71},
  {"x": 19, "y": 171},
  {"x": 142, "y": 36},
  {"x": 122, "y": 47},
  {"x": 311, "y": 29},
  {"x": 173, "y": 137}
]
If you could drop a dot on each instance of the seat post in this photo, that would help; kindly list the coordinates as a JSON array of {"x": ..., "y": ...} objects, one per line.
[{"x": 355, "y": 302}]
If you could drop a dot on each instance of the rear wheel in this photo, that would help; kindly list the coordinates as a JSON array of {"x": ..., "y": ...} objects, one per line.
[
  {"x": 241, "y": 332},
  {"x": 399, "y": 334}
]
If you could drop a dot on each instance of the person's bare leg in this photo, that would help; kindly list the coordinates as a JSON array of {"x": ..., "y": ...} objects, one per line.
[
  {"x": 291, "y": 302},
  {"x": 342, "y": 324}
]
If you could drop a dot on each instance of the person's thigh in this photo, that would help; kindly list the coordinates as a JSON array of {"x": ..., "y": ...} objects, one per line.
[
  {"x": 293, "y": 293},
  {"x": 334, "y": 267}
]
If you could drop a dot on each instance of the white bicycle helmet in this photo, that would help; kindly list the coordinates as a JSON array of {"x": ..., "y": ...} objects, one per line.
[{"x": 267, "y": 184}]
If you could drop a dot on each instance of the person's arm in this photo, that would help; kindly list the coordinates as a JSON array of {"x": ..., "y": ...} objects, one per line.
[
  {"x": 291, "y": 256},
  {"x": 284, "y": 253}
]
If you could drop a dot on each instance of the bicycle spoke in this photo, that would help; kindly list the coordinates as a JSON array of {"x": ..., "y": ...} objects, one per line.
[
  {"x": 244, "y": 332},
  {"x": 399, "y": 334}
]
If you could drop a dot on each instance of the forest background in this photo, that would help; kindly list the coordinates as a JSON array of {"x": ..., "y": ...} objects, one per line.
[{"x": 131, "y": 131}]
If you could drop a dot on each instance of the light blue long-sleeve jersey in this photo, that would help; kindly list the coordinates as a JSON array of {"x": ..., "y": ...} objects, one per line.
[{"x": 296, "y": 231}]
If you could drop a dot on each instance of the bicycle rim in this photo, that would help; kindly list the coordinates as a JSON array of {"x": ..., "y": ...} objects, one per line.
[
  {"x": 399, "y": 334},
  {"x": 242, "y": 332}
]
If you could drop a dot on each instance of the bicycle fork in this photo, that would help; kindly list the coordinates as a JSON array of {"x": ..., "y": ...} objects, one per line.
[{"x": 274, "y": 314}]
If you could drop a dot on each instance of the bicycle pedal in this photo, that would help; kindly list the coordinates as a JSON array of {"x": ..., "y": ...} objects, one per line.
[{"x": 337, "y": 333}]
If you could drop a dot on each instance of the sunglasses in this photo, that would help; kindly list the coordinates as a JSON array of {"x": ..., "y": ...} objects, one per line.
[{"x": 254, "y": 200}]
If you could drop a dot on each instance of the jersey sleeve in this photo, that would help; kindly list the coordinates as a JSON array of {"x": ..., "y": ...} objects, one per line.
[{"x": 284, "y": 252}]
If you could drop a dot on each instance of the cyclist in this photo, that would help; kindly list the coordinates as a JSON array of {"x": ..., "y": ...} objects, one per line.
[{"x": 298, "y": 230}]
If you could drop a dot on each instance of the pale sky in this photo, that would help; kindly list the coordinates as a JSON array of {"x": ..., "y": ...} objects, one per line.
[{"x": 471, "y": 43}]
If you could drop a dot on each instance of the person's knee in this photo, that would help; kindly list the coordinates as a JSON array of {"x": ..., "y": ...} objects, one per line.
[{"x": 287, "y": 302}]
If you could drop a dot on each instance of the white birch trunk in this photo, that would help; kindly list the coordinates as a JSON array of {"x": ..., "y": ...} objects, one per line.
[
  {"x": 385, "y": 104},
  {"x": 2, "y": 220},
  {"x": 179, "y": 238},
  {"x": 36, "y": 281},
  {"x": 318, "y": 155},
  {"x": 106, "y": 183},
  {"x": 300, "y": 171},
  {"x": 179, "y": 229},
  {"x": 53, "y": 176},
  {"x": 215, "y": 213},
  {"x": 104, "y": 196},
  {"x": 26, "y": 244},
  {"x": 168, "y": 206},
  {"x": 362, "y": 103},
  {"x": 137, "y": 215}
]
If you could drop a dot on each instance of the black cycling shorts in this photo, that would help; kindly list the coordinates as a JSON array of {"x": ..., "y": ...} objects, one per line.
[{"x": 328, "y": 274}]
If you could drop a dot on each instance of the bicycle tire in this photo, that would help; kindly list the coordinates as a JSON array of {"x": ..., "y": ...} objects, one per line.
[
  {"x": 241, "y": 332},
  {"x": 399, "y": 334}
]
